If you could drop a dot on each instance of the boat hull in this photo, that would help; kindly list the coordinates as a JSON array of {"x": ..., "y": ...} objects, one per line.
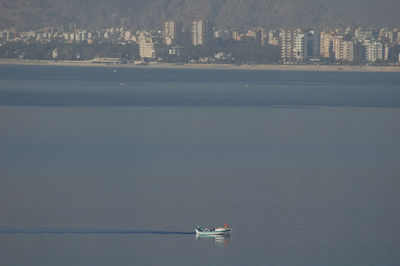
[{"x": 213, "y": 233}]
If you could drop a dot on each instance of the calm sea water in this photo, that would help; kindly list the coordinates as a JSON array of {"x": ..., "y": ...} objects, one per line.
[{"x": 117, "y": 166}]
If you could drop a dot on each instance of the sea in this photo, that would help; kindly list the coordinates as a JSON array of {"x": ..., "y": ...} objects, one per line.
[{"x": 118, "y": 166}]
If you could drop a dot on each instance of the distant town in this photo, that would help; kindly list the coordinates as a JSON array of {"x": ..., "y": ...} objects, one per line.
[{"x": 203, "y": 43}]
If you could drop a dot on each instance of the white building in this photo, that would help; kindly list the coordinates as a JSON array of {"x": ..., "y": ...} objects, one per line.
[
  {"x": 297, "y": 44},
  {"x": 172, "y": 32},
  {"x": 337, "y": 46},
  {"x": 287, "y": 44},
  {"x": 373, "y": 51},
  {"x": 326, "y": 44},
  {"x": 147, "y": 49},
  {"x": 202, "y": 33},
  {"x": 300, "y": 46},
  {"x": 348, "y": 51}
]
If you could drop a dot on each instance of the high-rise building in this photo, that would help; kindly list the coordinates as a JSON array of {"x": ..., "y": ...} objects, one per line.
[
  {"x": 342, "y": 49},
  {"x": 391, "y": 52},
  {"x": 348, "y": 51},
  {"x": 287, "y": 43},
  {"x": 147, "y": 50},
  {"x": 300, "y": 46},
  {"x": 313, "y": 44},
  {"x": 337, "y": 46},
  {"x": 373, "y": 51},
  {"x": 202, "y": 33},
  {"x": 326, "y": 45},
  {"x": 172, "y": 33},
  {"x": 296, "y": 44},
  {"x": 304, "y": 45}
]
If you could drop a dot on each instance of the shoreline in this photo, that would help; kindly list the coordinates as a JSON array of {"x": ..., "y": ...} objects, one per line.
[{"x": 318, "y": 68}]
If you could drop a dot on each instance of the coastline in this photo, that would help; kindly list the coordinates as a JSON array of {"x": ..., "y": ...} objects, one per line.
[{"x": 328, "y": 68}]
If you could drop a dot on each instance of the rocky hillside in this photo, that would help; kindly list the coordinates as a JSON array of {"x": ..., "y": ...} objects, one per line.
[{"x": 150, "y": 14}]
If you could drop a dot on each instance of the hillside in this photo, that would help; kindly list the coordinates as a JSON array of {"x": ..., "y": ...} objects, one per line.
[{"x": 150, "y": 14}]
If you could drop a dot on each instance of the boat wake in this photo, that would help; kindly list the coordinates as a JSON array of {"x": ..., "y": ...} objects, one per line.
[{"x": 81, "y": 231}]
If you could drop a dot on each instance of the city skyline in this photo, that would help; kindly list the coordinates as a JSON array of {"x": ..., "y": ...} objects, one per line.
[{"x": 296, "y": 45}]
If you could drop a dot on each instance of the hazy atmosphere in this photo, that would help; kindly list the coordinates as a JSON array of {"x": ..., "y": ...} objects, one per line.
[
  {"x": 367, "y": 12},
  {"x": 199, "y": 132}
]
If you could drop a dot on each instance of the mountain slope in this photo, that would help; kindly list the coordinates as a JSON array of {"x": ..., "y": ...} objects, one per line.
[{"x": 150, "y": 14}]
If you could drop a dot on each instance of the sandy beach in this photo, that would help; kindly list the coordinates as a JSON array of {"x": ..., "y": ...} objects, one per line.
[{"x": 337, "y": 68}]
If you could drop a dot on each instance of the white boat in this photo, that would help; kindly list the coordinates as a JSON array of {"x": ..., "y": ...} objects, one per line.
[{"x": 213, "y": 231}]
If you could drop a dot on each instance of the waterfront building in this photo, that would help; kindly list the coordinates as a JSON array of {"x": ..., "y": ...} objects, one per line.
[
  {"x": 342, "y": 49},
  {"x": 326, "y": 44},
  {"x": 348, "y": 51},
  {"x": 313, "y": 44},
  {"x": 373, "y": 51},
  {"x": 172, "y": 33},
  {"x": 147, "y": 49},
  {"x": 391, "y": 52},
  {"x": 300, "y": 46},
  {"x": 202, "y": 33},
  {"x": 296, "y": 44},
  {"x": 287, "y": 43},
  {"x": 337, "y": 46}
]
